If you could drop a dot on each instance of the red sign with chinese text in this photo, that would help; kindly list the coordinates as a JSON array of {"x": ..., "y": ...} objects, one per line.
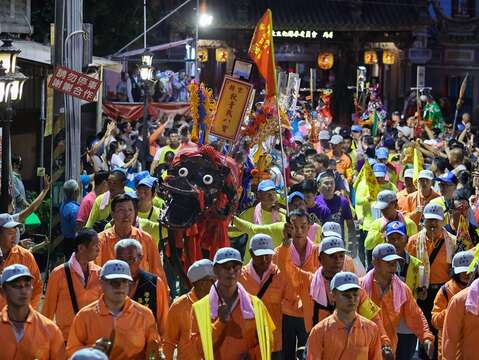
[{"x": 74, "y": 83}]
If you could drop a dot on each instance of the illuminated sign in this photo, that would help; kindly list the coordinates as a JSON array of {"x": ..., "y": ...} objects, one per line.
[{"x": 305, "y": 34}]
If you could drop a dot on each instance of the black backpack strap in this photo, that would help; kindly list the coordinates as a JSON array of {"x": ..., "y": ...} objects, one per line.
[
  {"x": 444, "y": 292},
  {"x": 317, "y": 306},
  {"x": 265, "y": 286},
  {"x": 435, "y": 251},
  {"x": 71, "y": 290}
]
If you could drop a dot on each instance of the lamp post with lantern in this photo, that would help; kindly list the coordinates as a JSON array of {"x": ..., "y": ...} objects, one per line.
[
  {"x": 146, "y": 75},
  {"x": 11, "y": 91}
]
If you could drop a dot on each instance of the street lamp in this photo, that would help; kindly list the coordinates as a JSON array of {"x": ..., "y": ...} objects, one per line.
[
  {"x": 203, "y": 19},
  {"x": 146, "y": 75},
  {"x": 11, "y": 90}
]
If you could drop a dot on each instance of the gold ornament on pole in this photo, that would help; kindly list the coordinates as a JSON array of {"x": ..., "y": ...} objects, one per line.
[{"x": 325, "y": 60}]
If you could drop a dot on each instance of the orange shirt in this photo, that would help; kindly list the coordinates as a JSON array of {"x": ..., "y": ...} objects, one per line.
[
  {"x": 301, "y": 281},
  {"x": 311, "y": 263},
  {"x": 231, "y": 340},
  {"x": 440, "y": 267},
  {"x": 410, "y": 313},
  {"x": 178, "y": 328},
  {"x": 150, "y": 261},
  {"x": 439, "y": 310},
  {"x": 402, "y": 198},
  {"x": 414, "y": 200},
  {"x": 20, "y": 255},
  {"x": 343, "y": 165},
  {"x": 277, "y": 291},
  {"x": 42, "y": 339},
  {"x": 461, "y": 330},
  {"x": 134, "y": 329},
  {"x": 57, "y": 303},
  {"x": 330, "y": 339}
]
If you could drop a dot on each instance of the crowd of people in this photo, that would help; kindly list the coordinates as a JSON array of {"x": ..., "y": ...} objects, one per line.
[{"x": 328, "y": 272}]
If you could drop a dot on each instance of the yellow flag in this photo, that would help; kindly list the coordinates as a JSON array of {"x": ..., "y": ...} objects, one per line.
[
  {"x": 366, "y": 183},
  {"x": 418, "y": 163}
]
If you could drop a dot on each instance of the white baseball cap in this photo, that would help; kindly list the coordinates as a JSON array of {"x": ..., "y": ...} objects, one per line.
[
  {"x": 261, "y": 244},
  {"x": 385, "y": 252},
  {"x": 461, "y": 261},
  {"x": 331, "y": 245},
  {"x": 433, "y": 211},
  {"x": 409, "y": 173},
  {"x": 426, "y": 174},
  {"x": 227, "y": 254},
  {"x": 344, "y": 281},
  {"x": 384, "y": 198},
  {"x": 116, "y": 269},
  {"x": 331, "y": 228},
  {"x": 200, "y": 269},
  {"x": 89, "y": 354}
]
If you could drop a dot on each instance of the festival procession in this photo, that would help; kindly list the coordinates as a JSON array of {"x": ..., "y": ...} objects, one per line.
[{"x": 292, "y": 181}]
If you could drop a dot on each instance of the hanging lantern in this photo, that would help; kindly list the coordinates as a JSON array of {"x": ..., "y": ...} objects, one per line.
[
  {"x": 389, "y": 58},
  {"x": 325, "y": 60},
  {"x": 202, "y": 54},
  {"x": 370, "y": 57},
  {"x": 221, "y": 55}
]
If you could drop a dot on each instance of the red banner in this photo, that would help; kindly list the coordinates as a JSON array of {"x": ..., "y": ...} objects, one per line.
[
  {"x": 74, "y": 83},
  {"x": 134, "y": 112}
]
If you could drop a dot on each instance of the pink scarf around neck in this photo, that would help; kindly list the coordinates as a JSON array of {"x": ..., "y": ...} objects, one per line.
[
  {"x": 398, "y": 289},
  {"x": 400, "y": 217},
  {"x": 258, "y": 215},
  {"x": 472, "y": 300},
  {"x": 244, "y": 300},
  {"x": 295, "y": 257},
  {"x": 317, "y": 290},
  {"x": 252, "y": 272},
  {"x": 313, "y": 229}
]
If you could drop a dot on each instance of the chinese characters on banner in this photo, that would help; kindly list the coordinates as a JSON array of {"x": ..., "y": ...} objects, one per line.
[
  {"x": 74, "y": 83},
  {"x": 231, "y": 109}
]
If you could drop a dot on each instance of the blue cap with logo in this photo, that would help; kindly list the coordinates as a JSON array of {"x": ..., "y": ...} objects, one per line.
[
  {"x": 344, "y": 281},
  {"x": 266, "y": 185},
  {"x": 380, "y": 170},
  {"x": 382, "y": 153},
  {"x": 149, "y": 181},
  {"x": 461, "y": 261},
  {"x": 331, "y": 228},
  {"x": 331, "y": 245},
  {"x": 227, "y": 254},
  {"x": 89, "y": 354},
  {"x": 14, "y": 272},
  {"x": 433, "y": 211},
  {"x": 385, "y": 252},
  {"x": 116, "y": 269},
  {"x": 448, "y": 178},
  {"x": 261, "y": 244},
  {"x": 294, "y": 195},
  {"x": 396, "y": 227},
  {"x": 384, "y": 198}
]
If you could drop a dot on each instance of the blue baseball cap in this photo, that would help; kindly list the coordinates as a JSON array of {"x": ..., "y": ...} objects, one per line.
[
  {"x": 356, "y": 128},
  {"x": 261, "y": 244},
  {"x": 14, "y": 272},
  {"x": 461, "y": 261},
  {"x": 266, "y": 185},
  {"x": 385, "y": 252},
  {"x": 294, "y": 195},
  {"x": 141, "y": 175},
  {"x": 116, "y": 269},
  {"x": 89, "y": 354},
  {"x": 148, "y": 181},
  {"x": 396, "y": 227},
  {"x": 382, "y": 153},
  {"x": 344, "y": 281},
  {"x": 227, "y": 254},
  {"x": 448, "y": 178},
  {"x": 380, "y": 170}
]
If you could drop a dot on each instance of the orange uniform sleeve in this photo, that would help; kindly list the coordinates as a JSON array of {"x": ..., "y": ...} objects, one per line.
[
  {"x": 162, "y": 304},
  {"x": 315, "y": 344},
  {"x": 414, "y": 318},
  {"x": 378, "y": 319},
  {"x": 294, "y": 275},
  {"x": 37, "y": 283},
  {"x": 153, "y": 340},
  {"x": 51, "y": 296},
  {"x": 375, "y": 345},
  {"x": 452, "y": 330},
  {"x": 172, "y": 332},
  {"x": 78, "y": 335},
  {"x": 439, "y": 310},
  {"x": 57, "y": 346}
]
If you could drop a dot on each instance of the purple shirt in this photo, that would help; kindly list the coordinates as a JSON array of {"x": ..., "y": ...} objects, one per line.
[{"x": 337, "y": 209}]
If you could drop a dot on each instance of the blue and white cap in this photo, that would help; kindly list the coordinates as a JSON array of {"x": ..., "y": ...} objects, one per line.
[
  {"x": 384, "y": 198},
  {"x": 7, "y": 221},
  {"x": 382, "y": 153},
  {"x": 331, "y": 245},
  {"x": 385, "y": 252},
  {"x": 14, "y": 272},
  {"x": 200, "y": 269},
  {"x": 227, "y": 254},
  {"x": 380, "y": 170},
  {"x": 149, "y": 181},
  {"x": 433, "y": 211},
  {"x": 116, "y": 269},
  {"x": 294, "y": 195},
  {"x": 261, "y": 244},
  {"x": 396, "y": 227},
  {"x": 344, "y": 281},
  {"x": 89, "y": 354},
  {"x": 331, "y": 228},
  {"x": 461, "y": 261},
  {"x": 266, "y": 185},
  {"x": 324, "y": 135}
]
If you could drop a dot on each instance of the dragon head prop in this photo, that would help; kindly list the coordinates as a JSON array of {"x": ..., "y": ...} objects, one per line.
[{"x": 201, "y": 181}]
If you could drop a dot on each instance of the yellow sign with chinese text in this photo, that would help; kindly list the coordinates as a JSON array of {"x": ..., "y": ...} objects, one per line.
[{"x": 231, "y": 109}]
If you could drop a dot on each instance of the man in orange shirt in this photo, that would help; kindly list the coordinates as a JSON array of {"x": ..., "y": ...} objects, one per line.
[
  {"x": 178, "y": 325},
  {"x": 413, "y": 207},
  {"x": 409, "y": 188},
  {"x": 74, "y": 284},
  {"x": 460, "y": 280},
  {"x": 10, "y": 254},
  {"x": 461, "y": 325},
  {"x": 343, "y": 161},
  {"x": 131, "y": 327},
  {"x": 123, "y": 210},
  {"x": 26, "y": 334},
  {"x": 146, "y": 288},
  {"x": 395, "y": 298},
  {"x": 435, "y": 247},
  {"x": 263, "y": 278},
  {"x": 345, "y": 334},
  {"x": 313, "y": 288}
]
